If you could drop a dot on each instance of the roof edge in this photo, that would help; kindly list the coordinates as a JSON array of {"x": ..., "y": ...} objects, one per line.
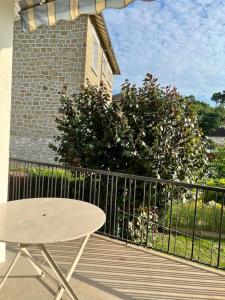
[{"x": 104, "y": 36}]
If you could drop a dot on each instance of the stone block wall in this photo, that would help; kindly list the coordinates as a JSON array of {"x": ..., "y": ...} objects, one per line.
[
  {"x": 218, "y": 140},
  {"x": 44, "y": 62}
]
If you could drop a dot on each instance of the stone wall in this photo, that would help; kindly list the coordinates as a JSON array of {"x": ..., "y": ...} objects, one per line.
[
  {"x": 44, "y": 62},
  {"x": 32, "y": 149},
  {"x": 218, "y": 140}
]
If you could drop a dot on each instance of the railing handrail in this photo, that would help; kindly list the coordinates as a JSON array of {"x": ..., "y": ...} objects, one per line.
[{"x": 125, "y": 175}]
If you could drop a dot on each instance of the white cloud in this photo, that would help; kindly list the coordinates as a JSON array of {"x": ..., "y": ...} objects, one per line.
[{"x": 182, "y": 42}]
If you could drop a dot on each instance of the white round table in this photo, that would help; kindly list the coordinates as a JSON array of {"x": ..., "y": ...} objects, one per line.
[{"x": 43, "y": 221}]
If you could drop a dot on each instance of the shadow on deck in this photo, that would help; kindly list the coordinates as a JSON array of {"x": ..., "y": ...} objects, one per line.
[{"x": 112, "y": 270}]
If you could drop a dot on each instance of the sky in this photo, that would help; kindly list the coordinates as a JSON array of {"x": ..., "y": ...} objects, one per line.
[{"x": 180, "y": 42}]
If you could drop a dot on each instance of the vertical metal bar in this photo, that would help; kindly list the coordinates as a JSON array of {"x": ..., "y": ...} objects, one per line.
[
  {"x": 56, "y": 181},
  {"x": 154, "y": 214},
  {"x": 143, "y": 209},
  {"x": 28, "y": 180},
  {"x": 68, "y": 184},
  {"x": 187, "y": 229},
  {"x": 90, "y": 191},
  {"x": 65, "y": 180},
  {"x": 83, "y": 186},
  {"x": 48, "y": 182},
  {"x": 213, "y": 229},
  {"x": 128, "y": 216},
  {"x": 111, "y": 203},
  {"x": 99, "y": 188},
  {"x": 13, "y": 179},
  {"x": 35, "y": 182},
  {"x": 171, "y": 218},
  {"x": 177, "y": 214},
  {"x": 124, "y": 205},
  {"x": 164, "y": 217},
  {"x": 194, "y": 225},
  {"x": 202, "y": 213},
  {"x": 149, "y": 210},
  {"x": 75, "y": 185},
  {"x": 16, "y": 183},
  {"x": 95, "y": 178},
  {"x": 220, "y": 232},
  {"x": 79, "y": 185},
  {"x": 43, "y": 182},
  {"x": 31, "y": 182},
  {"x": 61, "y": 186},
  {"x": 52, "y": 181},
  {"x": 9, "y": 184},
  {"x": 106, "y": 203},
  {"x": 134, "y": 208},
  {"x": 115, "y": 208},
  {"x": 39, "y": 180},
  {"x": 19, "y": 188}
]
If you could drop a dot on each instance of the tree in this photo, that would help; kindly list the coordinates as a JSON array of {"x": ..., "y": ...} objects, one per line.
[
  {"x": 168, "y": 141},
  {"x": 219, "y": 98},
  {"x": 217, "y": 163},
  {"x": 209, "y": 118},
  {"x": 92, "y": 132},
  {"x": 156, "y": 134}
]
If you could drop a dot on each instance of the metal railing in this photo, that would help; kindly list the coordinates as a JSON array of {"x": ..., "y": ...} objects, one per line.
[{"x": 181, "y": 219}]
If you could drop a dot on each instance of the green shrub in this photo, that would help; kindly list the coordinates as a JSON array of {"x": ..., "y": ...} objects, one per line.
[
  {"x": 207, "y": 216},
  {"x": 213, "y": 195},
  {"x": 154, "y": 132},
  {"x": 217, "y": 163}
]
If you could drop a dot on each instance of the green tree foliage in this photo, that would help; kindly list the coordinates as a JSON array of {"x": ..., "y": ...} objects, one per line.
[
  {"x": 219, "y": 98},
  {"x": 92, "y": 132},
  {"x": 156, "y": 134},
  {"x": 217, "y": 163},
  {"x": 209, "y": 118}
]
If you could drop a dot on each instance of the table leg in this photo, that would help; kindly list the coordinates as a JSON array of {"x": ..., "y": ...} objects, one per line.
[
  {"x": 72, "y": 268},
  {"x": 31, "y": 260},
  {"x": 40, "y": 270},
  {"x": 57, "y": 271},
  {"x": 64, "y": 281},
  {"x": 10, "y": 269}
]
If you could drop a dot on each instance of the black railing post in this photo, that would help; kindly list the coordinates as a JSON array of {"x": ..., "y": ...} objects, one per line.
[
  {"x": 170, "y": 222},
  {"x": 194, "y": 224},
  {"x": 220, "y": 232}
]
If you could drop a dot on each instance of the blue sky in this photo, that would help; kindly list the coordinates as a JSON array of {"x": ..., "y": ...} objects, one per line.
[{"x": 181, "y": 42}]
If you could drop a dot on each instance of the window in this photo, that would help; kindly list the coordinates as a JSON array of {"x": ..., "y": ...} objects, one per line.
[{"x": 95, "y": 53}]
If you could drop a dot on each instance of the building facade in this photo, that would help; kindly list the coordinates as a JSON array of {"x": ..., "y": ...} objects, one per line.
[{"x": 45, "y": 62}]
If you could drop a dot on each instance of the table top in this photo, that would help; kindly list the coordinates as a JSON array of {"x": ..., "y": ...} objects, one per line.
[{"x": 48, "y": 220}]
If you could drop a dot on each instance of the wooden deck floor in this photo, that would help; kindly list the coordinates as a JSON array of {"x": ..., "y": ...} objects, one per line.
[{"x": 111, "y": 270}]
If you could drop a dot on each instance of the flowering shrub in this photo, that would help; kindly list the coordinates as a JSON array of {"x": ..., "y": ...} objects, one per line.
[{"x": 143, "y": 228}]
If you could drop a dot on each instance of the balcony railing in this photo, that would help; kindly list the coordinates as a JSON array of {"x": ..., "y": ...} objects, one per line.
[{"x": 181, "y": 219}]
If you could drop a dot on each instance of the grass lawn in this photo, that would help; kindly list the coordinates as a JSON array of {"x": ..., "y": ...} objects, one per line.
[{"x": 205, "y": 250}]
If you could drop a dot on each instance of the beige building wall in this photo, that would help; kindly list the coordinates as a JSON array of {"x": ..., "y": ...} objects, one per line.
[
  {"x": 44, "y": 62},
  {"x": 6, "y": 43},
  {"x": 95, "y": 76}
]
